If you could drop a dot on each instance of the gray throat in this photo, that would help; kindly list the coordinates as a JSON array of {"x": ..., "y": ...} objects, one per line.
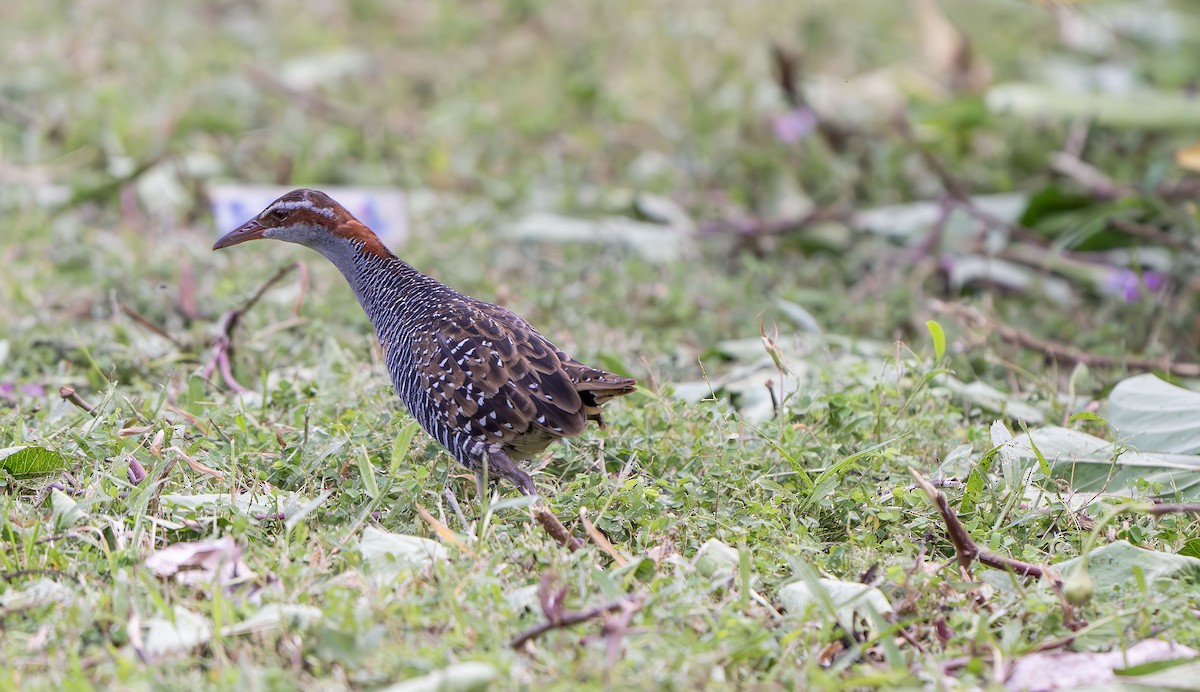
[{"x": 389, "y": 290}]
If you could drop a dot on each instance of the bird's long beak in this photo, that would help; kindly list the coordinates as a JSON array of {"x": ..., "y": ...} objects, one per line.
[{"x": 251, "y": 230}]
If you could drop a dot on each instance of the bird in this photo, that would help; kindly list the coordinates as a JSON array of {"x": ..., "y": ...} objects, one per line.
[{"x": 477, "y": 377}]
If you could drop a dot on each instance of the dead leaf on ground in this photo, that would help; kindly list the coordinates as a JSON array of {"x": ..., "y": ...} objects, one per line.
[
  {"x": 182, "y": 632},
  {"x": 216, "y": 561},
  {"x": 1062, "y": 670}
]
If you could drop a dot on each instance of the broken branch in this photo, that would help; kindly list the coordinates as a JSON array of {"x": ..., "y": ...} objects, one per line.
[
  {"x": 1059, "y": 351},
  {"x": 223, "y": 345},
  {"x": 72, "y": 396},
  {"x": 555, "y": 528},
  {"x": 965, "y": 548},
  {"x": 556, "y": 618}
]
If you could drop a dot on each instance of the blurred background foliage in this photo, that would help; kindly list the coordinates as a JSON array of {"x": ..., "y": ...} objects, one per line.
[
  {"x": 768, "y": 125},
  {"x": 765, "y": 126}
]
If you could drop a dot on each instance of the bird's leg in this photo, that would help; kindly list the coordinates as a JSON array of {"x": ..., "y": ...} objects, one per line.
[
  {"x": 481, "y": 477},
  {"x": 498, "y": 465},
  {"x": 453, "y": 502}
]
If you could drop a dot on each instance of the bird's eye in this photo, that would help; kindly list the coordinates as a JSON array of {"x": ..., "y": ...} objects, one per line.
[{"x": 280, "y": 214}]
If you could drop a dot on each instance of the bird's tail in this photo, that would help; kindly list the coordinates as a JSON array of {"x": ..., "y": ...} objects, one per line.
[{"x": 596, "y": 387}]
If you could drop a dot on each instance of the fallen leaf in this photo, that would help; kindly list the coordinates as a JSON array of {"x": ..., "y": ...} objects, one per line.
[
  {"x": 1155, "y": 416},
  {"x": 66, "y": 510},
  {"x": 444, "y": 531},
  {"x": 848, "y": 597},
  {"x": 600, "y": 539},
  {"x": 216, "y": 561},
  {"x": 1094, "y": 465},
  {"x": 275, "y": 616},
  {"x": 471, "y": 676},
  {"x": 1143, "y": 109},
  {"x": 387, "y": 555},
  {"x": 715, "y": 556},
  {"x": 39, "y": 593},
  {"x": 1062, "y": 670},
  {"x": 653, "y": 242},
  {"x": 948, "y": 50},
  {"x": 30, "y": 460},
  {"x": 1112, "y": 568},
  {"x": 183, "y": 632}
]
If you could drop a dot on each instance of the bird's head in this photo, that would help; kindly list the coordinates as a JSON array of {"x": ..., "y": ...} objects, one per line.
[{"x": 311, "y": 218}]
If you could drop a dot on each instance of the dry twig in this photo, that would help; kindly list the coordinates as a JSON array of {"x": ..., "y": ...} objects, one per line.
[
  {"x": 149, "y": 324},
  {"x": 557, "y": 617},
  {"x": 1059, "y": 351},
  {"x": 72, "y": 396},
  {"x": 600, "y": 539},
  {"x": 555, "y": 528},
  {"x": 966, "y": 550},
  {"x": 223, "y": 345},
  {"x": 1152, "y": 234},
  {"x": 1169, "y": 508}
]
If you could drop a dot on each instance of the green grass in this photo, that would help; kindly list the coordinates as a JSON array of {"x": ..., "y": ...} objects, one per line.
[{"x": 496, "y": 109}]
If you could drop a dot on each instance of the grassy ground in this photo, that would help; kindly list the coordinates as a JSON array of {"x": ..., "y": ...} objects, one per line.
[{"x": 114, "y": 117}]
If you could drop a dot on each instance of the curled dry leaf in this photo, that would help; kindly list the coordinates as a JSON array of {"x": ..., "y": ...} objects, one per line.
[
  {"x": 444, "y": 531},
  {"x": 217, "y": 561},
  {"x": 600, "y": 539},
  {"x": 197, "y": 466}
]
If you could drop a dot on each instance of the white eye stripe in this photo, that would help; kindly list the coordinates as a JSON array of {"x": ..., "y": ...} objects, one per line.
[{"x": 292, "y": 206}]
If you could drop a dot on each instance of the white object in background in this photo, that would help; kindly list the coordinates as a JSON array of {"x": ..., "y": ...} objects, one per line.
[{"x": 383, "y": 209}]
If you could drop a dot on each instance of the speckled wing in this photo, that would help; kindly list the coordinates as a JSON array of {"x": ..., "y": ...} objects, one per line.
[{"x": 498, "y": 382}]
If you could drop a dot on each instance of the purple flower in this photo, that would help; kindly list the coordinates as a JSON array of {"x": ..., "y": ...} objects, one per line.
[
  {"x": 10, "y": 390},
  {"x": 793, "y": 125},
  {"x": 1129, "y": 284}
]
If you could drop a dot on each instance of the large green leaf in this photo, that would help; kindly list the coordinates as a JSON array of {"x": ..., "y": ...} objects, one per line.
[
  {"x": 1094, "y": 465},
  {"x": 30, "y": 460},
  {"x": 846, "y": 597},
  {"x": 1113, "y": 567},
  {"x": 386, "y": 555},
  {"x": 1155, "y": 416}
]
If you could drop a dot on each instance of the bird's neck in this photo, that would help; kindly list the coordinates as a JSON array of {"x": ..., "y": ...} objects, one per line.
[{"x": 389, "y": 289}]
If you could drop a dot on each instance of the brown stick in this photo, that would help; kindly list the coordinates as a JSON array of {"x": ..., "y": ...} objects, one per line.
[
  {"x": 555, "y": 528},
  {"x": 1167, "y": 508},
  {"x": 1059, "y": 351},
  {"x": 223, "y": 345},
  {"x": 1098, "y": 183},
  {"x": 559, "y": 620},
  {"x": 72, "y": 396},
  {"x": 965, "y": 548},
  {"x": 617, "y": 626},
  {"x": 17, "y": 574},
  {"x": 600, "y": 539},
  {"x": 187, "y": 292},
  {"x": 146, "y": 322}
]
